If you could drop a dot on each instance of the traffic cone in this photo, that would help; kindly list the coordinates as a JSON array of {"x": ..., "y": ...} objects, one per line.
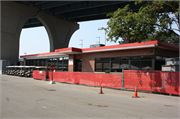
[
  {"x": 101, "y": 91},
  {"x": 135, "y": 93}
]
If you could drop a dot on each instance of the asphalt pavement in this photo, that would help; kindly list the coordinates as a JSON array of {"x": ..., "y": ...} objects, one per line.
[{"x": 27, "y": 98}]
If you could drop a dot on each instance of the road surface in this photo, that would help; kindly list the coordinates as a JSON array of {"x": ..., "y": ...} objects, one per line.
[{"x": 27, "y": 98}]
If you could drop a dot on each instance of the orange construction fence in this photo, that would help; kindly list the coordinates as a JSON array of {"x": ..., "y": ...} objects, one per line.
[
  {"x": 105, "y": 80},
  {"x": 155, "y": 81},
  {"x": 41, "y": 75}
]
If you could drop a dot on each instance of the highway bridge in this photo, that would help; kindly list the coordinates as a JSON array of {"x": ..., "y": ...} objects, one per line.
[{"x": 76, "y": 11}]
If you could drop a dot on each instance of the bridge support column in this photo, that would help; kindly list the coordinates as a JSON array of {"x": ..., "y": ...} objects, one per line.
[
  {"x": 59, "y": 30},
  {"x": 13, "y": 17}
]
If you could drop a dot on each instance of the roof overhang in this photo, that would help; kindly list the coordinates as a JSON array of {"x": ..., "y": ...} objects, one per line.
[
  {"x": 21, "y": 66},
  {"x": 68, "y": 51},
  {"x": 128, "y": 46},
  {"x": 46, "y": 55},
  {"x": 168, "y": 46}
]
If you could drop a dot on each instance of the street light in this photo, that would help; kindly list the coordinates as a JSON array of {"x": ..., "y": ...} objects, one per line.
[
  {"x": 99, "y": 39},
  {"x": 81, "y": 43}
]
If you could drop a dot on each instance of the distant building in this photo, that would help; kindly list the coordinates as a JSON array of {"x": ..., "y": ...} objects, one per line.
[{"x": 96, "y": 45}]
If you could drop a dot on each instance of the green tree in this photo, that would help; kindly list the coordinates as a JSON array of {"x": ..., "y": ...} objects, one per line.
[{"x": 153, "y": 21}]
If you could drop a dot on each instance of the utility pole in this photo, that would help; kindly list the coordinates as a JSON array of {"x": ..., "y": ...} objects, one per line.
[
  {"x": 81, "y": 43},
  {"x": 99, "y": 39}
]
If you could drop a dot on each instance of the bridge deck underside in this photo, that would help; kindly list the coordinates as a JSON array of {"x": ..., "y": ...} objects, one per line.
[{"x": 76, "y": 11}]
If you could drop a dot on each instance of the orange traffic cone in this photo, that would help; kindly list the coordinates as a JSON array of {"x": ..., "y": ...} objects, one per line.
[
  {"x": 101, "y": 91},
  {"x": 135, "y": 93}
]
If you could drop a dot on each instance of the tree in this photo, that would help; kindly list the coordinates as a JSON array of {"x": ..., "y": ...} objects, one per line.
[{"x": 155, "y": 20}]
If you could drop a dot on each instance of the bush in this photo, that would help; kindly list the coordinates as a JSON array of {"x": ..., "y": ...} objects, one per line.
[{"x": 107, "y": 71}]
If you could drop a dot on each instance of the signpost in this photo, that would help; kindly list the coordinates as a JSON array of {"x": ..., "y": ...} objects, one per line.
[{"x": 52, "y": 68}]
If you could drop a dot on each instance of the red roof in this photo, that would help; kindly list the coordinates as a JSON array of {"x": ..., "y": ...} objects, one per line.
[
  {"x": 168, "y": 45},
  {"x": 72, "y": 50},
  {"x": 121, "y": 46}
]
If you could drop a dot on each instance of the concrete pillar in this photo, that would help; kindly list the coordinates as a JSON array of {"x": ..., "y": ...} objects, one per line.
[
  {"x": 71, "y": 63},
  {"x": 13, "y": 17},
  {"x": 59, "y": 30},
  {"x": 24, "y": 62},
  {"x": 1, "y": 66}
]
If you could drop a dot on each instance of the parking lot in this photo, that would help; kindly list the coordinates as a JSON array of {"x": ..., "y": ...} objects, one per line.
[{"x": 23, "y": 97}]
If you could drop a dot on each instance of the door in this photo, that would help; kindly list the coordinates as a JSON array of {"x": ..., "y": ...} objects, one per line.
[{"x": 78, "y": 66}]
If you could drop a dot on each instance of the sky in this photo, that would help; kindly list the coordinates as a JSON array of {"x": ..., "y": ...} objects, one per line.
[{"x": 35, "y": 40}]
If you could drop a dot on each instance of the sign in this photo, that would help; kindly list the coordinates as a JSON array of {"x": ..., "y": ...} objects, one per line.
[
  {"x": 52, "y": 67},
  {"x": 70, "y": 61}
]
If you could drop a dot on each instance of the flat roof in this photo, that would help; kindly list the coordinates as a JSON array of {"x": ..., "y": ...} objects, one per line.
[{"x": 71, "y": 50}]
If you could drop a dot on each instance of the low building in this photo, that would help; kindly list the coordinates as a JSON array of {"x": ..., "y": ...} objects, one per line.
[{"x": 131, "y": 56}]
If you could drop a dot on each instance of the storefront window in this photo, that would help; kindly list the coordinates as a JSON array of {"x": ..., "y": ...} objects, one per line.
[
  {"x": 146, "y": 64},
  {"x": 159, "y": 61},
  {"x": 124, "y": 64},
  {"x": 117, "y": 64},
  {"x": 102, "y": 64},
  {"x": 135, "y": 64},
  {"x": 106, "y": 65},
  {"x": 115, "y": 67},
  {"x": 99, "y": 65}
]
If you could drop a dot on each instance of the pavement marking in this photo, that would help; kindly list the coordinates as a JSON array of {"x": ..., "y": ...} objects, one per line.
[
  {"x": 63, "y": 96},
  {"x": 43, "y": 106}
]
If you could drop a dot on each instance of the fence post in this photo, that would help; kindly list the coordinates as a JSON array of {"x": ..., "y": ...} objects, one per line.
[{"x": 123, "y": 79}]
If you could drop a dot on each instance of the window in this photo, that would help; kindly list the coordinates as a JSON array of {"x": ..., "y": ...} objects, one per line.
[
  {"x": 102, "y": 64},
  {"x": 117, "y": 64},
  {"x": 136, "y": 64},
  {"x": 115, "y": 67},
  {"x": 124, "y": 64},
  {"x": 146, "y": 65},
  {"x": 158, "y": 62},
  {"x": 106, "y": 65},
  {"x": 99, "y": 65}
]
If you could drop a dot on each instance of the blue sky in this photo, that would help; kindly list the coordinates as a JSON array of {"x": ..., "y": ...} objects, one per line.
[{"x": 35, "y": 40}]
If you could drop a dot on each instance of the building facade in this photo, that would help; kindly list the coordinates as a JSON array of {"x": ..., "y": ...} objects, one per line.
[{"x": 132, "y": 56}]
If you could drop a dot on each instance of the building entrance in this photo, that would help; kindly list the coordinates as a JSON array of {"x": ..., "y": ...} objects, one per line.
[{"x": 78, "y": 65}]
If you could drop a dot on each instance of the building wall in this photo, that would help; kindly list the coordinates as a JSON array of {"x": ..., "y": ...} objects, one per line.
[
  {"x": 166, "y": 53},
  {"x": 88, "y": 59},
  {"x": 71, "y": 67}
]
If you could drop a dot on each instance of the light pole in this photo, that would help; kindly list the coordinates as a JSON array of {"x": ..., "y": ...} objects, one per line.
[
  {"x": 81, "y": 43},
  {"x": 105, "y": 38},
  {"x": 99, "y": 39}
]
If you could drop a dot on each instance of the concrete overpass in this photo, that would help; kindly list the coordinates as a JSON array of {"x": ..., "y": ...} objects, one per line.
[{"x": 58, "y": 17}]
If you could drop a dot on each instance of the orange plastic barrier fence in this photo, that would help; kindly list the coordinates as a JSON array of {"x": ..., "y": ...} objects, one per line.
[
  {"x": 155, "y": 81},
  {"x": 105, "y": 80},
  {"x": 41, "y": 75}
]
